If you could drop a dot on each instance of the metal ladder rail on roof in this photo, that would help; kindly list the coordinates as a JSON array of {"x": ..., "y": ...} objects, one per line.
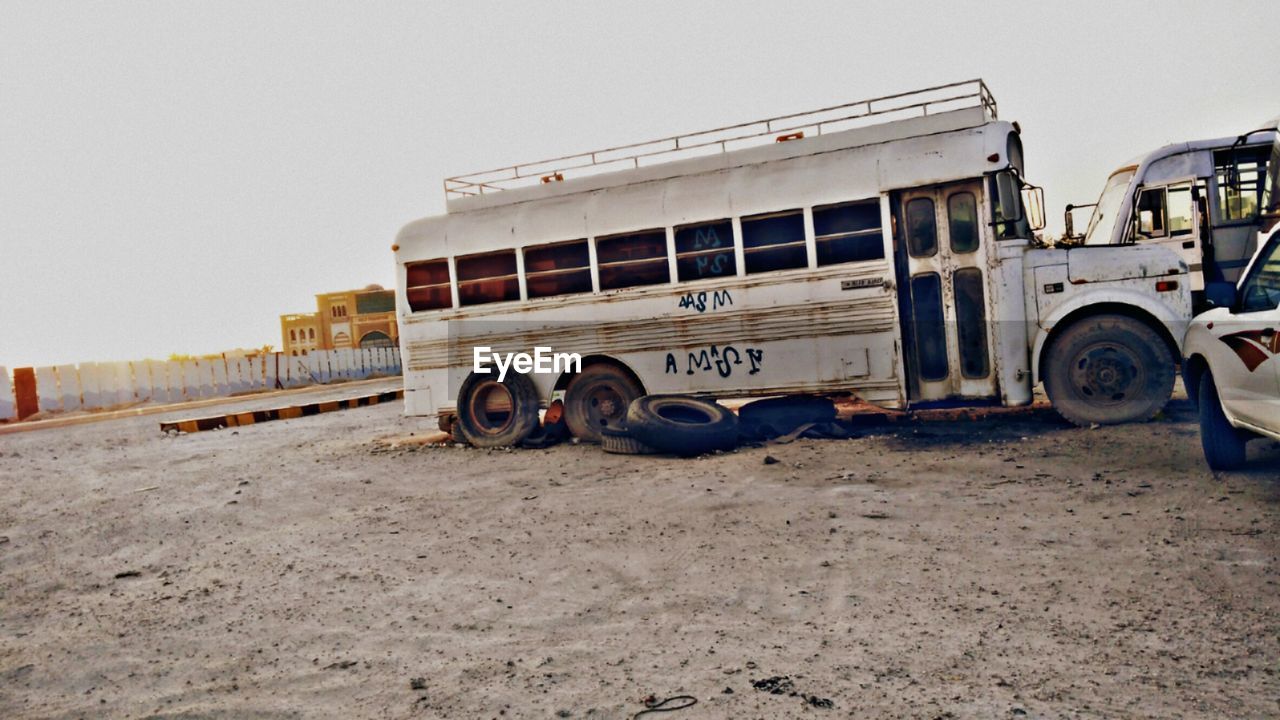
[{"x": 705, "y": 142}]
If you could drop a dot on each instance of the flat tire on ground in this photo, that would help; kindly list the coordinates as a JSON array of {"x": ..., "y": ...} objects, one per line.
[
  {"x": 1108, "y": 369},
  {"x": 496, "y": 413},
  {"x": 772, "y": 417},
  {"x": 682, "y": 425},
  {"x": 619, "y": 441}
]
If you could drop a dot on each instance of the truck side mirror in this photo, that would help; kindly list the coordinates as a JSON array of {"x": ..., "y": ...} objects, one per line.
[
  {"x": 1033, "y": 202},
  {"x": 1220, "y": 294}
]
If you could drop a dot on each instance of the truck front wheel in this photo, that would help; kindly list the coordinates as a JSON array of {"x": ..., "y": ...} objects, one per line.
[{"x": 1108, "y": 369}]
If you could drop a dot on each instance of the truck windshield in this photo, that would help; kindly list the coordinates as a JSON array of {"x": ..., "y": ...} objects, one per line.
[{"x": 1104, "y": 215}]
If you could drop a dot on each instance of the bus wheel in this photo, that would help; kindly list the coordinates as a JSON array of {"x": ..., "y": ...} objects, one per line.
[
  {"x": 682, "y": 425},
  {"x": 493, "y": 413},
  {"x": 1108, "y": 369},
  {"x": 598, "y": 398}
]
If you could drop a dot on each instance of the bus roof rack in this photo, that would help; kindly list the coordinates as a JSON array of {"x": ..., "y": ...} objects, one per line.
[{"x": 887, "y": 108}]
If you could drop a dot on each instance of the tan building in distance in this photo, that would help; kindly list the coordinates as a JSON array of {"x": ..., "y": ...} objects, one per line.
[
  {"x": 300, "y": 333},
  {"x": 348, "y": 319}
]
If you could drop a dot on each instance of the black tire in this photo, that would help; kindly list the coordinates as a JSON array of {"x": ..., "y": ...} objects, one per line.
[
  {"x": 772, "y": 417},
  {"x": 1223, "y": 445},
  {"x": 620, "y": 442},
  {"x": 681, "y": 425},
  {"x": 493, "y": 413},
  {"x": 597, "y": 398},
  {"x": 1108, "y": 369}
]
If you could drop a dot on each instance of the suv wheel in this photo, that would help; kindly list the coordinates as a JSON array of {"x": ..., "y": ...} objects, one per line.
[{"x": 1223, "y": 444}]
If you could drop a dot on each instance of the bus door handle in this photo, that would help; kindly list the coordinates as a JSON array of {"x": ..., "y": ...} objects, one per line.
[{"x": 1188, "y": 244}]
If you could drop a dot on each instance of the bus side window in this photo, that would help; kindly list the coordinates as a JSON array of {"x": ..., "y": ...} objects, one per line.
[
  {"x": 426, "y": 286},
  {"x": 774, "y": 241},
  {"x": 1150, "y": 215},
  {"x": 848, "y": 232},
  {"x": 488, "y": 278},
  {"x": 1241, "y": 178},
  {"x": 633, "y": 260},
  {"x": 705, "y": 250},
  {"x": 557, "y": 269}
]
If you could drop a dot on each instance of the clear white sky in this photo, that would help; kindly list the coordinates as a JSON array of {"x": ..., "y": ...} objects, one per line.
[{"x": 174, "y": 175}]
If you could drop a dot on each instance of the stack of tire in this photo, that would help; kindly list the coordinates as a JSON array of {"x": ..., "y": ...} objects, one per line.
[
  {"x": 673, "y": 425},
  {"x": 606, "y": 405}
]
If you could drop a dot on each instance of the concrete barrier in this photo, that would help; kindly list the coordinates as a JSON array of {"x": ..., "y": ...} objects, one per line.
[
  {"x": 336, "y": 368},
  {"x": 108, "y": 383},
  {"x": 345, "y": 360},
  {"x": 124, "y": 383},
  {"x": 8, "y": 410},
  {"x": 88, "y": 373},
  {"x": 94, "y": 386},
  {"x": 300, "y": 372},
  {"x": 190, "y": 380},
  {"x": 221, "y": 382},
  {"x": 25, "y": 395},
  {"x": 173, "y": 378},
  {"x": 238, "y": 374},
  {"x": 255, "y": 372},
  {"x": 319, "y": 363},
  {"x": 358, "y": 365},
  {"x": 47, "y": 389},
  {"x": 141, "y": 380},
  {"x": 68, "y": 387},
  {"x": 157, "y": 384}
]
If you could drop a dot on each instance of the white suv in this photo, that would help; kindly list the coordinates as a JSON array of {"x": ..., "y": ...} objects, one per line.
[{"x": 1232, "y": 366}]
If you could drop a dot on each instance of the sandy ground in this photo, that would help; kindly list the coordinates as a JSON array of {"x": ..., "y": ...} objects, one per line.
[{"x": 1015, "y": 567}]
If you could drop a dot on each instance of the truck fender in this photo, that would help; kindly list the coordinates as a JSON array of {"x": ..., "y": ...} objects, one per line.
[{"x": 1171, "y": 324}]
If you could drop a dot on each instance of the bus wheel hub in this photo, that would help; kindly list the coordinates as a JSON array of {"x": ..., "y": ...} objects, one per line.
[
  {"x": 606, "y": 403},
  {"x": 1106, "y": 373}
]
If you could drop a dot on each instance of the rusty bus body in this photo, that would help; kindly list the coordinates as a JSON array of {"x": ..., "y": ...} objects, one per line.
[{"x": 889, "y": 260}]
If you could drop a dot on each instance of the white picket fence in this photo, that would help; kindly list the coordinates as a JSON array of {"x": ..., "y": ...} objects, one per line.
[{"x": 91, "y": 386}]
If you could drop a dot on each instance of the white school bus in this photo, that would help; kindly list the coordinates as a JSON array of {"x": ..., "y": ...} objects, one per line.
[{"x": 881, "y": 248}]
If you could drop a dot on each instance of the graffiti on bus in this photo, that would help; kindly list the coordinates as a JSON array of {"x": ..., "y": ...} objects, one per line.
[
  {"x": 704, "y": 301},
  {"x": 721, "y": 360}
]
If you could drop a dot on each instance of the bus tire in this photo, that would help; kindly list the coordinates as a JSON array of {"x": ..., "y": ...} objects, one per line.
[
  {"x": 619, "y": 441},
  {"x": 597, "y": 398},
  {"x": 1108, "y": 369},
  {"x": 681, "y": 425},
  {"x": 773, "y": 417},
  {"x": 496, "y": 413},
  {"x": 1223, "y": 445}
]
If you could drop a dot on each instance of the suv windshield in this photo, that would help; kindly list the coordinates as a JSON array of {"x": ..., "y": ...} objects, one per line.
[
  {"x": 1261, "y": 291},
  {"x": 1104, "y": 215}
]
